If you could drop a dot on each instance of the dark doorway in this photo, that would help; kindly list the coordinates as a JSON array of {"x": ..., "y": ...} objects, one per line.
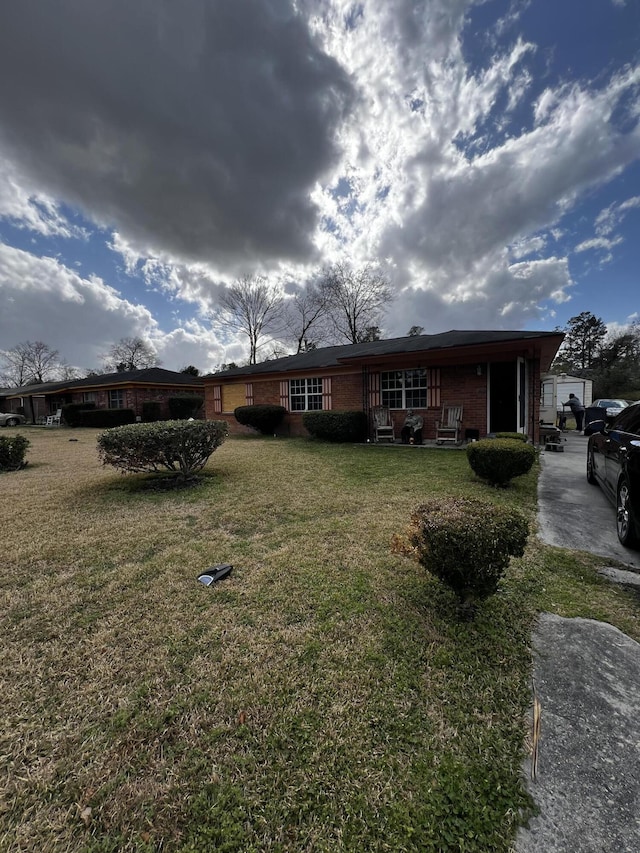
[{"x": 503, "y": 397}]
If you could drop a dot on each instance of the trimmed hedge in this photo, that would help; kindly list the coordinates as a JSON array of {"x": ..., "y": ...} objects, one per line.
[
  {"x": 70, "y": 412},
  {"x": 466, "y": 543},
  {"x": 516, "y": 436},
  {"x": 151, "y": 411},
  {"x": 336, "y": 426},
  {"x": 105, "y": 418},
  {"x": 185, "y": 406},
  {"x": 180, "y": 446},
  {"x": 264, "y": 418},
  {"x": 13, "y": 449},
  {"x": 499, "y": 460}
]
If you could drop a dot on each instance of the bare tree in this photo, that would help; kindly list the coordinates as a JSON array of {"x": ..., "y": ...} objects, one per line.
[
  {"x": 251, "y": 306},
  {"x": 29, "y": 363},
  {"x": 68, "y": 372},
  {"x": 130, "y": 354},
  {"x": 356, "y": 299},
  {"x": 415, "y": 331},
  {"x": 306, "y": 316}
]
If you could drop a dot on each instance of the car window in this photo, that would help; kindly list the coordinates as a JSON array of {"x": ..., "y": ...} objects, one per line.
[{"x": 628, "y": 420}]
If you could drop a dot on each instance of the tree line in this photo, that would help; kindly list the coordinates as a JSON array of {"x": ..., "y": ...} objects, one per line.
[
  {"x": 34, "y": 362},
  {"x": 610, "y": 359}
]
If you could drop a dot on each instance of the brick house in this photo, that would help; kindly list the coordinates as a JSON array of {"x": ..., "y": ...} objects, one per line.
[
  {"x": 125, "y": 390},
  {"x": 494, "y": 375}
]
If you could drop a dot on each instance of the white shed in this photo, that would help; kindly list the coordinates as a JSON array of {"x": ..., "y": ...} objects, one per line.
[{"x": 555, "y": 390}]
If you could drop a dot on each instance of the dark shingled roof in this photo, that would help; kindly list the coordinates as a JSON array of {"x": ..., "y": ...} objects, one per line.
[
  {"x": 334, "y": 356},
  {"x": 146, "y": 376}
]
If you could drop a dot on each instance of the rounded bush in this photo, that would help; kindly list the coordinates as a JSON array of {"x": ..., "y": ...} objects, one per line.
[
  {"x": 151, "y": 411},
  {"x": 104, "y": 418},
  {"x": 185, "y": 406},
  {"x": 499, "y": 460},
  {"x": 466, "y": 543},
  {"x": 264, "y": 418},
  {"x": 71, "y": 412},
  {"x": 181, "y": 446},
  {"x": 336, "y": 426},
  {"x": 13, "y": 449}
]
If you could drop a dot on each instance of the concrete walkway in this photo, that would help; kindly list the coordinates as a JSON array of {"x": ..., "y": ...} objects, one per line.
[{"x": 587, "y": 680}]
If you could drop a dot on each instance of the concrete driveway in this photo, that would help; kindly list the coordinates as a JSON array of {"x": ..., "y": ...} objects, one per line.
[
  {"x": 574, "y": 514},
  {"x": 587, "y": 679}
]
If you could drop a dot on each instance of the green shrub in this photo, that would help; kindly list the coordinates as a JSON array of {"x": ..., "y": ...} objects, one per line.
[
  {"x": 105, "y": 418},
  {"x": 180, "y": 446},
  {"x": 12, "y": 452},
  {"x": 466, "y": 543},
  {"x": 516, "y": 436},
  {"x": 265, "y": 418},
  {"x": 151, "y": 411},
  {"x": 70, "y": 412},
  {"x": 499, "y": 460},
  {"x": 336, "y": 426},
  {"x": 185, "y": 406}
]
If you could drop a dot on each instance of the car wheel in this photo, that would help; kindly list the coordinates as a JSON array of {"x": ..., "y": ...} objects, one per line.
[
  {"x": 624, "y": 516},
  {"x": 591, "y": 475},
  {"x": 12, "y": 421}
]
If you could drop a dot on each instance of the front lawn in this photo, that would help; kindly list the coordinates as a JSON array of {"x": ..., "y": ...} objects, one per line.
[{"x": 321, "y": 698}]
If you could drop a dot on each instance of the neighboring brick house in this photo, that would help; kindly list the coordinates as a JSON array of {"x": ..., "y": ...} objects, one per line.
[
  {"x": 125, "y": 390},
  {"x": 494, "y": 375}
]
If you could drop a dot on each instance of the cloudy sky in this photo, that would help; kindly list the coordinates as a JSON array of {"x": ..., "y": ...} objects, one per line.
[{"x": 486, "y": 153}]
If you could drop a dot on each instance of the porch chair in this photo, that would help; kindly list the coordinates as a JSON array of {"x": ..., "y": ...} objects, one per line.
[
  {"x": 54, "y": 420},
  {"x": 382, "y": 424},
  {"x": 449, "y": 426}
]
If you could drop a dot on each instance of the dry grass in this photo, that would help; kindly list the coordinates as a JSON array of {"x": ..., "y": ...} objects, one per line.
[{"x": 321, "y": 698}]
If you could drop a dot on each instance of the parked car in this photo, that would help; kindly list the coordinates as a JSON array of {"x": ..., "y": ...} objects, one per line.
[
  {"x": 11, "y": 419},
  {"x": 594, "y": 412},
  {"x": 613, "y": 463}
]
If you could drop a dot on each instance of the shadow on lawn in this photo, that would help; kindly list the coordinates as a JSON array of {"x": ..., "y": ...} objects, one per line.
[{"x": 130, "y": 485}]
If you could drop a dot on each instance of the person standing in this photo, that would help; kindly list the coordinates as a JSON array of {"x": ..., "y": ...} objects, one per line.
[{"x": 577, "y": 410}]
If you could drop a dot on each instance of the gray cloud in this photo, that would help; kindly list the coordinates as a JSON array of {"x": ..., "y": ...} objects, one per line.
[
  {"x": 197, "y": 128},
  {"x": 44, "y": 300},
  {"x": 215, "y": 138}
]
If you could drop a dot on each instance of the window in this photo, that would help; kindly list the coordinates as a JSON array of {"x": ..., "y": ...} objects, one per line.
[
  {"x": 547, "y": 401},
  {"x": 628, "y": 420},
  {"x": 404, "y": 389},
  {"x": 116, "y": 399},
  {"x": 305, "y": 395},
  {"x": 89, "y": 397}
]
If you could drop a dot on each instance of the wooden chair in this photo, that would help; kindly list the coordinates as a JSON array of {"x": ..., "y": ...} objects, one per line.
[
  {"x": 449, "y": 427},
  {"x": 382, "y": 424},
  {"x": 54, "y": 420}
]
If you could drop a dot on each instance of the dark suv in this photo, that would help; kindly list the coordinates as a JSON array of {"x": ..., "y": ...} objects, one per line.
[{"x": 613, "y": 462}]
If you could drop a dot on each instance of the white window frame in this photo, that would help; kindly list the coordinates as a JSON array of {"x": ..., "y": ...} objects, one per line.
[
  {"x": 306, "y": 391},
  {"x": 118, "y": 395},
  {"x": 389, "y": 391}
]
